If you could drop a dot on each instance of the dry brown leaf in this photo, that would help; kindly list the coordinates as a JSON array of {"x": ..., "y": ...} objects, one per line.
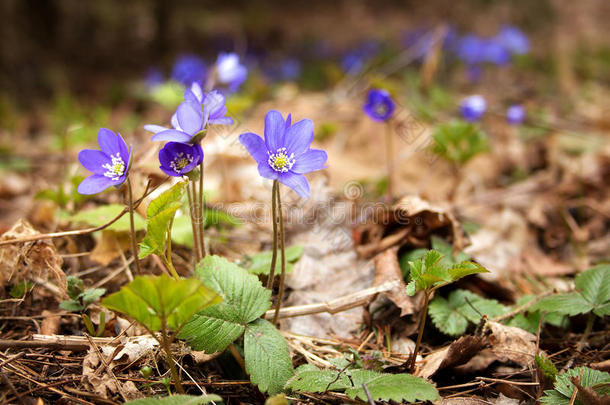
[
  {"x": 410, "y": 221},
  {"x": 587, "y": 395},
  {"x": 387, "y": 269},
  {"x": 29, "y": 260},
  {"x": 462, "y": 401},
  {"x": 109, "y": 247}
]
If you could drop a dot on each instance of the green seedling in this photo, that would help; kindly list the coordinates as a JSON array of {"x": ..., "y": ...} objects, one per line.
[
  {"x": 459, "y": 141},
  {"x": 597, "y": 381}
]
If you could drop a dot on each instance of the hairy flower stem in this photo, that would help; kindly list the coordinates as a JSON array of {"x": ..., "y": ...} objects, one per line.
[
  {"x": 274, "y": 191},
  {"x": 192, "y": 210},
  {"x": 134, "y": 245},
  {"x": 389, "y": 161},
  {"x": 168, "y": 254},
  {"x": 280, "y": 294},
  {"x": 166, "y": 343},
  {"x": 422, "y": 323},
  {"x": 201, "y": 213}
]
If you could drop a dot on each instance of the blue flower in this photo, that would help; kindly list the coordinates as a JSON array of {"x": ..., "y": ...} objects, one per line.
[
  {"x": 109, "y": 165},
  {"x": 285, "y": 153},
  {"x": 177, "y": 159},
  {"x": 189, "y": 69},
  {"x": 514, "y": 40},
  {"x": 473, "y": 107},
  {"x": 379, "y": 105},
  {"x": 470, "y": 49},
  {"x": 154, "y": 77},
  {"x": 515, "y": 114},
  {"x": 230, "y": 71},
  {"x": 193, "y": 115},
  {"x": 495, "y": 52}
]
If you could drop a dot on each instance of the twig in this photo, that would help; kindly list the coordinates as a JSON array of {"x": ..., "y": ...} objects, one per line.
[
  {"x": 85, "y": 231},
  {"x": 351, "y": 363},
  {"x": 368, "y": 394},
  {"x": 8, "y": 382},
  {"x": 106, "y": 366}
]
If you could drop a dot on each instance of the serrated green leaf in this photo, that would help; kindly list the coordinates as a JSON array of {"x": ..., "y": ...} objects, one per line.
[
  {"x": 594, "y": 286},
  {"x": 177, "y": 400},
  {"x": 397, "y": 387},
  {"x": 464, "y": 269},
  {"x": 564, "y": 388},
  {"x": 244, "y": 300},
  {"x": 451, "y": 316},
  {"x": 315, "y": 380},
  {"x": 261, "y": 263},
  {"x": 431, "y": 258},
  {"x": 447, "y": 251},
  {"x": 149, "y": 299},
  {"x": 568, "y": 304},
  {"x": 104, "y": 213},
  {"x": 166, "y": 199},
  {"x": 459, "y": 141},
  {"x": 267, "y": 357},
  {"x": 71, "y": 305}
]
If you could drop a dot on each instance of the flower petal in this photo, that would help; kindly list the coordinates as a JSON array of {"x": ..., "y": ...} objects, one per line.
[
  {"x": 298, "y": 137},
  {"x": 124, "y": 151},
  {"x": 297, "y": 182},
  {"x": 154, "y": 128},
  {"x": 274, "y": 130},
  {"x": 95, "y": 184},
  {"x": 108, "y": 141},
  {"x": 197, "y": 91},
  {"x": 93, "y": 160},
  {"x": 171, "y": 135},
  {"x": 189, "y": 118},
  {"x": 221, "y": 121},
  {"x": 174, "y": 122},
  {"x": 312, "y": 160},
  {"x": 255, "y": 146},
  {"x": 266, "y": 171}
]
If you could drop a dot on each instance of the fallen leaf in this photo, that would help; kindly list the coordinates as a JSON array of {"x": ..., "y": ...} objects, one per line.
[
  {"x": 387, "y": 269},
  {"x": 588, "y": 396},
  {"x": 457, "y": 353},
  {"x": 462, "y": 401},
  {"x": 109, "y": 247},
  {"x": 50, "y": 323}
]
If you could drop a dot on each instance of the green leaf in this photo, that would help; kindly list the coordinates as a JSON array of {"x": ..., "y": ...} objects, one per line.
[
  {"x": 20, "y": 289},
  {"x": 261, "y": 263},
  {"x": 568, "y": 304},
  {"x": 149, "y": 299},
  {"x": 92, "y": 294},
  {"x": 160, "y": 213},
  {"x": 459, "y": 141},
  {"x": 75, "y": 287},
  {"x": 166, "y": 199},
  {"x": 71, "y": 305},
  {"x": 451, "y": 316},
  {"x": 546, "y": 367},
  {"x": 177, "y": 400},
  {"x": 397, "y": 387},
  {"x": 267, "y": 357},
  {"x": 244, "y": 300},
  {"x": 563, "y": 388},
  {"x": 464, "y": 269},
  {"x": 594, "y": 285},
  {"x": 104, "y": 213}
]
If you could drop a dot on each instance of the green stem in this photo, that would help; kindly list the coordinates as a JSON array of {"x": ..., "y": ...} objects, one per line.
[
  {"x": 168, "y": 254},
  {"x": 280, "y": 294},
  {"x": 165, "y": 341},
  {"x": 422, "y": 323},
  {"x": 201, "y": 217},
  {"x": 274, "y": 192},
  {"x": 134, "y": 246},
  {"x": 190, "y": 188}
]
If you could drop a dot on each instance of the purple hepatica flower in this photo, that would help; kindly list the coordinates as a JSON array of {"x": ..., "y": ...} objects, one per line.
[
  {"x": 515, "y": 114},
  {"x": 473, "y": 107},
  {"x": 379, "y": 105},
  {"x": 285, "y": 153},
  {"x": 178, "y": 159},
  {"x": 154, "y": 77},
  {"x": 514, "y": 40},
  {"x": 470, "y": 49},
  {"x": 109, "y": 165},
  {"x": 495, "y": 52},
  {"x": 193, "y": 115},
  {"x": 189, "y": 69},
  {"x": 230, "y": 71}
]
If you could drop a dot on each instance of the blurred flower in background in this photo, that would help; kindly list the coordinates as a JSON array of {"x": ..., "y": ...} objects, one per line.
[
  {"x": 515, "y": 114},
  {"x": 189, "y": 69},
  {"x": 230, "y": 72},
  {"x": 473, "y": 107},
  {"x": 513, "y": 39},
  {"x": 154, "y": 77},
  {"x": 379, "y": 105}
]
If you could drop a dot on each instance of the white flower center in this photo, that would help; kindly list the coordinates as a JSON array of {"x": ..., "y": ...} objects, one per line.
[
  {"x": 115, "y": 169},
  {"x": 181, "y": 161},
  {"x": 280, "y": 161}
]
